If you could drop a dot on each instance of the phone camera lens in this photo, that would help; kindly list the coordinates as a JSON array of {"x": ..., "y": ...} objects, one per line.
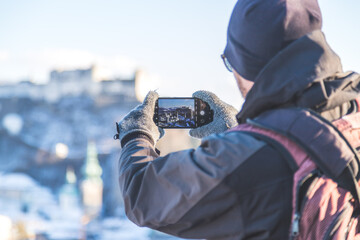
[{"x": 202, "y": 121}]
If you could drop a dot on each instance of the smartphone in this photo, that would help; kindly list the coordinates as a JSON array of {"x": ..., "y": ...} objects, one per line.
[{"x": 182, "y": 113}]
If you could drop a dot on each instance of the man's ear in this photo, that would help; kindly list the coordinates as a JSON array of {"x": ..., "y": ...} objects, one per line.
[{"x": 244, "y": 85}]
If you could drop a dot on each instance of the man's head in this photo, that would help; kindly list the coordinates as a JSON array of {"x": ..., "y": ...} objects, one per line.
[{"x": 259, "y": 29}]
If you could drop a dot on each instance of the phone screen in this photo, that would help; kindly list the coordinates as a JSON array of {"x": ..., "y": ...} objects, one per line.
[{"x": 176, "y": 113}]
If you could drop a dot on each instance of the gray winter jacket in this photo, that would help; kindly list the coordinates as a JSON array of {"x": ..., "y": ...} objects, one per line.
[{"x": 235, "y": 186}]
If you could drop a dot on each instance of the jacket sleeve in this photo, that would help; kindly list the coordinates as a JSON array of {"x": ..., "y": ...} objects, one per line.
[{"x": 183, "y": 193}]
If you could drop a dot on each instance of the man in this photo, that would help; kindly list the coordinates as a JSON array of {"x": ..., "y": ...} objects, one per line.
[{"x": 235, "y": 186}]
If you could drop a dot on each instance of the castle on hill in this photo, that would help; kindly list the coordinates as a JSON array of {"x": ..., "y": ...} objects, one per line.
[{"x": 77, "y": 82}]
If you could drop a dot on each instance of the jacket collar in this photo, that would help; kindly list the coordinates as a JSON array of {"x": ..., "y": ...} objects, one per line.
[{"x": 307, "y": 73}]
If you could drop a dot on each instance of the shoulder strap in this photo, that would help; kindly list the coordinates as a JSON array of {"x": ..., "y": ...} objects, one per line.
[{"x": 345, "y": 179}]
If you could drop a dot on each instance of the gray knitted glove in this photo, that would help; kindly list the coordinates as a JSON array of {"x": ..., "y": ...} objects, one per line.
[
  {"x": 140, "y": 121},
  {"x": 224, "y": 115}
]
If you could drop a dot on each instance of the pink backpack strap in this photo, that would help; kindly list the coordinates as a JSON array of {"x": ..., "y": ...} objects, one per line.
[
  {"x": 297, "y": 154},
  {"x": 314, "y": 135},
  {"x": 299, "y": 160},
  {"x": 349, "y": 126}
]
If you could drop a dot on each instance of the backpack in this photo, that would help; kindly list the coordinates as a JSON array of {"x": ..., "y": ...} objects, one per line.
[{"x": 326, "y": 192}]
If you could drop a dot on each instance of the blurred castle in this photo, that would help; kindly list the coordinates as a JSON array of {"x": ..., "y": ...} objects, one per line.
[{"x": 71, "y": 83}]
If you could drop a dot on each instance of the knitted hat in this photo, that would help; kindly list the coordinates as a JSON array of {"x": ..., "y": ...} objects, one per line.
[{"x": 259, "y": 29}]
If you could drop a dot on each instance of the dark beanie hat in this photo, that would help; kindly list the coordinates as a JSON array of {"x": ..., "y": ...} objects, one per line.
[{"x": 259, "y": 29}]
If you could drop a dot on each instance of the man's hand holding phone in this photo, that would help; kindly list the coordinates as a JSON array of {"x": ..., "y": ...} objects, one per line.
[
  {"x": 204, "y": 113},
  {"x": 224, "y": 115}
]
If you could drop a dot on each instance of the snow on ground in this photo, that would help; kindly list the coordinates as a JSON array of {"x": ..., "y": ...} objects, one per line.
[{"x": 23, "y": 202}]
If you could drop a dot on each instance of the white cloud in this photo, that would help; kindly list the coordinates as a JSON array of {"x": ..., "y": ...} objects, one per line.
[
  {"x": 4, "y": 55},
  {"x": 36, "y": 64}
]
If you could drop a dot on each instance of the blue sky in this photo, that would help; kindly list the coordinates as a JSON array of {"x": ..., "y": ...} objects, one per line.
[{"x": 178, "y": 43}]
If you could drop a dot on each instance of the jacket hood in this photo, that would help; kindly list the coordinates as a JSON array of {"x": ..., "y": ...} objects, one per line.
[{"x": 307, "y": 74}]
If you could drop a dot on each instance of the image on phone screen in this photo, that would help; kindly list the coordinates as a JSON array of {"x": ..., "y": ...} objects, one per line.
[{"x": 176, "y": 113}]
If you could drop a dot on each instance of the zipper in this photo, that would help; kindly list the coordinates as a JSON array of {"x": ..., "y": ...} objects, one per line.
[
  {"x": 349, "y": 227},
  {"x": 335, "y": 224},
  {"x": 295, "y": 226},
  {"x": 301, "y": 201},
  {"x": 353, "y": 217}
]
